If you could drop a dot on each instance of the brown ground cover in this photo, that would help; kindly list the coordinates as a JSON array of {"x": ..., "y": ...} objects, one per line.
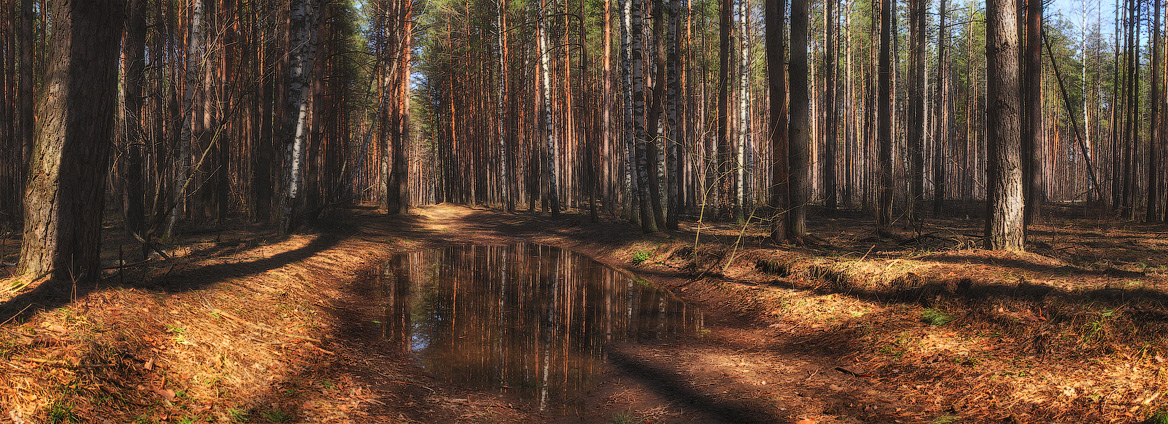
[{"x": 242, "y": 325}]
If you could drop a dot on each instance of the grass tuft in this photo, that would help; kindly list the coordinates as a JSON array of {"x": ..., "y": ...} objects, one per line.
[{"x": 936, "y": 317}]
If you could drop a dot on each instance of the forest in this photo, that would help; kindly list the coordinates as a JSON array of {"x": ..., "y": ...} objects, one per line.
[{"x": 803, "y": 211}]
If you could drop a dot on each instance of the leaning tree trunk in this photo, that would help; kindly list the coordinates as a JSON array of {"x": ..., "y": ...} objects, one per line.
[
  {"x": 302, "y": 21},
  {"x": 1004, "y": 218},
  {"x": 67, "y": 170}
]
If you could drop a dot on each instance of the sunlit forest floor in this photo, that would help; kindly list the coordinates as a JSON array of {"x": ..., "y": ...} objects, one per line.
[{"x": 914, "y": 327}]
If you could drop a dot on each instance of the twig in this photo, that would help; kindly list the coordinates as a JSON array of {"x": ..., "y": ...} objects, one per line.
[{"x": 14, "y": 316}]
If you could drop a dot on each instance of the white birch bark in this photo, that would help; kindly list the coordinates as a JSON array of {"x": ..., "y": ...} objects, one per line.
[
  {"x": 550, "y": 167},
  {"x": 302, "y": 19},
  {"x": 743, "y": 106}
]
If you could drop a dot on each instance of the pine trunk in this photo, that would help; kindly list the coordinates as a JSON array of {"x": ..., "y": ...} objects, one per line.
[
  {"x": 67, "y": 169},
  {"x": 799, "y": 131},
  {"x": 884, "y": 118},
  {"x": 1004, "y": 218},
  {"x": 777, "y": 131}
]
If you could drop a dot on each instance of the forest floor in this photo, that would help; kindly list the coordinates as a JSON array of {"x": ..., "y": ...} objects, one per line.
[{"x": 242, "y": 325}]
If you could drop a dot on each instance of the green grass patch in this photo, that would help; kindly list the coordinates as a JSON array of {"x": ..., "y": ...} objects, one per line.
[
  {"x": 640, "y": 256},
  {"x": 62, "y": 412},
  {"x": 936, "y": 317}
]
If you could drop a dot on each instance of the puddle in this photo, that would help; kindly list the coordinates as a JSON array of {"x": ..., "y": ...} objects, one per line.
[{"x": 528, "y": 320}]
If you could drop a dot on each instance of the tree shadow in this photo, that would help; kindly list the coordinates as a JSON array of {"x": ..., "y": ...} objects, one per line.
[
  {"x": 55, "y": 293},
  {"x": 671, "y": 386}
]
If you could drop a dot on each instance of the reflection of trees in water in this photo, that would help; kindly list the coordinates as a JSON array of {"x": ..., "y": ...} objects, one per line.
[{"x": 531, "y": 319}]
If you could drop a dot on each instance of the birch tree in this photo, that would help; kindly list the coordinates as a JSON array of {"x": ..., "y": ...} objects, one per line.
[{"x": 302, "y": 20}]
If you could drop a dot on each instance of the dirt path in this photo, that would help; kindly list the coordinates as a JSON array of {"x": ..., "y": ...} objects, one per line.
[{"x": 244, "y": 326}]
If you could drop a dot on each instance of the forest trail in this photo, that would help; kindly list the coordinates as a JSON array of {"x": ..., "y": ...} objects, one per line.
[{"x": 246, "y": 326}]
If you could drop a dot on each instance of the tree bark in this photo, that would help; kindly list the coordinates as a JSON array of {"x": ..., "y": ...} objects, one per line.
[
  {"x": 799, "y": 131},
  {"x": 67, "y": 170},
  {"x": 552, "y": 195},
  {"x": 941, "y": 120},
  {"x": 675, "y": 134},
  {"x": 303, "y": 48},
  {"x": 884, "y": 118},
  {"x": 27, "y": 71},
  {"x": 187, "y": 135},
  {"x": 397, "y": 188},
  {"x": 134, "y": 64},
  {"x": 725, "y": 181},
  {"x": 831, "y": 137},
  {"x": 1034, "y": 130},
  {"x": 648, "y": 223},
  {"x": 777, "y": 128},
  {"x": 1154, "y": 142},
  {"x": 916, "y": 127},
  {"x": 1004, "y": 218}
]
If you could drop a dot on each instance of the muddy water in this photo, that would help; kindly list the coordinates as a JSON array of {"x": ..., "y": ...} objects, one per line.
[{"x": 529, "y": 320}]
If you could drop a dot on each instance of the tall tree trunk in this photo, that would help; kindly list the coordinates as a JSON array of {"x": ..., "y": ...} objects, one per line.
[
  {"x": 506, "y": 183},
  {"x": 777, "y": 127},
  {"x": 187, "y": 135},
  {"x": 656, "y": 107},
  {"x": 648, "y": 223},
  {"x": 397, "y": 188},
  {"x": 631, "y": 183},
  {"x": 606, "y": 115},
  {"x": 941, "y": 112},
  {"x": 302, "y": 20},
  {"x": 916, "y": 127},
  {"x": 884, "y": 118},
  {"x": 1034, "y": 130},
  {"x": 66, "y": 178},
  {"x": 1004, "y": 218},
  {"x": 1154, "y": 142},
  {"x": 27, "y": 93},
  {"x": 134, "y": 63},
  {"x": 831, "y": 138},
  {"x": 675, "y": 135},
  {"x": 743, "y": 114},
  {"x": 799, "y": 131},
  {"x": 549, "y": 119},
  {"x": 725, "y": 181}
]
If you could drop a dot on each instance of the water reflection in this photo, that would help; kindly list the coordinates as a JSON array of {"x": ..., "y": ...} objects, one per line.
[{"x": 527, "y": 319}]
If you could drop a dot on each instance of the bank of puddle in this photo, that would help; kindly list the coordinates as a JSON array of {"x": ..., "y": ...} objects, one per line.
[{"x": 531, "y": 321}]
